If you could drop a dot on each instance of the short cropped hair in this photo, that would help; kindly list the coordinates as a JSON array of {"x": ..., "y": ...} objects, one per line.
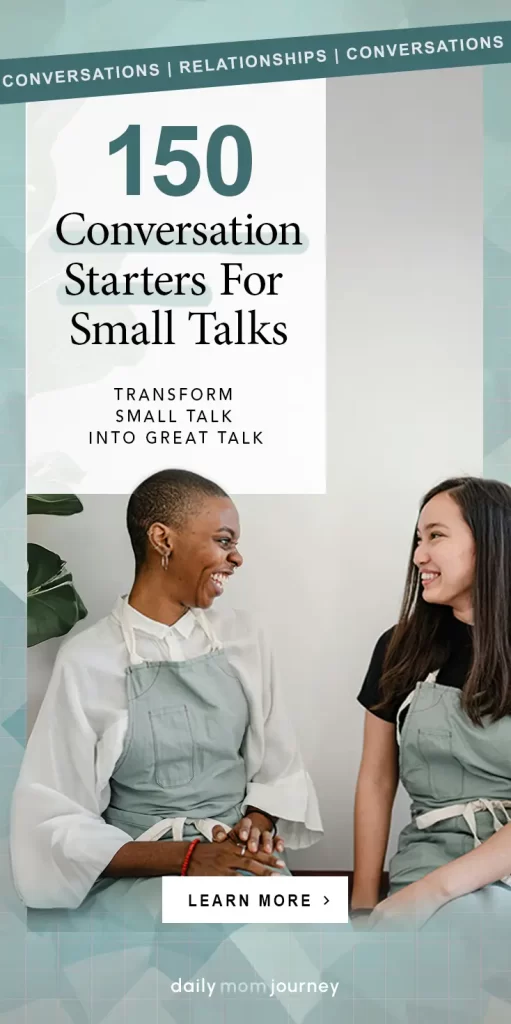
[{"x": 168, "y": 497}]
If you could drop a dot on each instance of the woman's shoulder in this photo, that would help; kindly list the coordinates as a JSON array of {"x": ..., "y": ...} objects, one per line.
[
  {"x": 89, "y": 672},
  {"x": 232, "y": 623},
  {"x": 96, "y": 646},
  {"x": 382, "y": 644},
  {"x": 243, "y": 635},
  {"x": 370, "y": 694}
]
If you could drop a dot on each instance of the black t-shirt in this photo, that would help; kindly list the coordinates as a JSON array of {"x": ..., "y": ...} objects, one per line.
[{"x": 453, "y": 673}]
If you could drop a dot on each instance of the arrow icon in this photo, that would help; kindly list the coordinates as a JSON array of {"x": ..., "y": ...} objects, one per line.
[{"x": 326, "y": 899}]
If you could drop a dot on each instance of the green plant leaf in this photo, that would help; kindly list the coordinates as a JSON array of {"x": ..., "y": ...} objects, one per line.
[
  {"x": 53, "y": 504},
  {"x": 53, "y": 604},
  {"x": 43, "y": 565}
]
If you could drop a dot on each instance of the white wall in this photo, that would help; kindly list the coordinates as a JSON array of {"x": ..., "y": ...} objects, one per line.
[{"x": 405, "y": 410}]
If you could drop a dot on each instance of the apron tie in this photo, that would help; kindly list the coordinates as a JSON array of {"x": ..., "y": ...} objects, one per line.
[
  {"x": 468, "y": 811},
  {"x": 204, "y": 826}
]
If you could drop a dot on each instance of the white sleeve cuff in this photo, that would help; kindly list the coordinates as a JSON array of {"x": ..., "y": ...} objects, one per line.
[{"x": 293, "y": 801}]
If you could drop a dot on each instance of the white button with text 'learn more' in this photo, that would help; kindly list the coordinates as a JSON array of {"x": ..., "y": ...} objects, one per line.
[{"x": 242, "y": 900}]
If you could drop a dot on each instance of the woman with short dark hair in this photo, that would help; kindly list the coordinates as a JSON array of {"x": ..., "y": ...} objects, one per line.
[{"x": 161, "y": 722}]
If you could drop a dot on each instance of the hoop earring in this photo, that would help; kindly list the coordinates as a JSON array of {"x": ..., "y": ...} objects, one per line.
[{"x": 165, "y": 561}]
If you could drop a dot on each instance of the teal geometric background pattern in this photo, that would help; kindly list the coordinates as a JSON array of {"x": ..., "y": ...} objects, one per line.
[
  {"x": 123, "y": 976},
  {"x": 497, "y": 273},
  {"x": 12, "y": 530},
  {"x": 31, "y": 28}
]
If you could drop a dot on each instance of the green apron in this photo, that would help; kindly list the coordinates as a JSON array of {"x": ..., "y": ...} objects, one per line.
[
  {"x": 181, "y": 772},
  {"x": 458, "y": 776}
]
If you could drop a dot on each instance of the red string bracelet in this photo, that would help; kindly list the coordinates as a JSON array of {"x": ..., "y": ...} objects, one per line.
[{"x": 188, "y": 856}]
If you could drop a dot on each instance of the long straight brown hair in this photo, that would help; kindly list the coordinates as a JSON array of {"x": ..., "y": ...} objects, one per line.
[{"x": 420, "y": 643}]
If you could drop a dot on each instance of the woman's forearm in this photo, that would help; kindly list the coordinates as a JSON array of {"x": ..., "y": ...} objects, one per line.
[
  {"x": 488, "y": 863},
  {"x": 373, "y": 810},
  {"x": 147, "y": 859}
]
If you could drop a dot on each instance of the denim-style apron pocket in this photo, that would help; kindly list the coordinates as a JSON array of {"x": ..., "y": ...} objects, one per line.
[
  {"x": 174, "y": 755},
  {"x": 217, "y": 735},
  {"x": 445, "y": 774},
  {"x": 413, "y": 770}
]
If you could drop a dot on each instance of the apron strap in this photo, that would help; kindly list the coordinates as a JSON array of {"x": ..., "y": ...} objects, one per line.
[
  {"x": 470, "y": 818},
  {"x": 204, "y": 826},
  {"x": 160, "y": 829},
  {"x": 129, "y": 636},
  {"x": 429, "y": 818},
  {"x": 468, "y": 812},
  {"x": 207, "y": 628},
  {"x": 490, "y": 805},
  {"x": 407, "y": 701},
  {"x": 431, "y": 678},
  {"x": 128, "y": 633}
]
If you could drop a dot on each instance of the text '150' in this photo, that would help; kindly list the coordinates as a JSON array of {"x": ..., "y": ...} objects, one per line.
[{"x": 167, "y": 153}]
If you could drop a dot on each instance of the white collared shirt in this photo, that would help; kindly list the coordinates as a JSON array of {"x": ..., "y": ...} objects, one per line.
[{"x": 60, "y": 843}]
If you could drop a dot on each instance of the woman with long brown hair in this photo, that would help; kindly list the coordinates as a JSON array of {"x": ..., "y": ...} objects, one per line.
[{"x": 438, "y": 717}]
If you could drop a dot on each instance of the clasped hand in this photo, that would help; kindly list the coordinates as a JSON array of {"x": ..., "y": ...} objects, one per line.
[
  {"x": 249, "y": 846},
  {"x": 252, "y": 832}
]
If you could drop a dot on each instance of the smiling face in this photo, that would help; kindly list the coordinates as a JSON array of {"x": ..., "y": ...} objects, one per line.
[
  {"x": 203, "y": 554},
  {"x": 445, "y": 556}
]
